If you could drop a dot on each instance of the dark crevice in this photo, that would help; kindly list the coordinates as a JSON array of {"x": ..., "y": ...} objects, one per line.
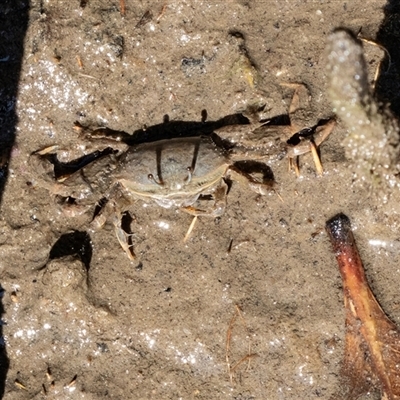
[
  {"x": 388, "y": 84},
  {"x": 75, "y": 243}
]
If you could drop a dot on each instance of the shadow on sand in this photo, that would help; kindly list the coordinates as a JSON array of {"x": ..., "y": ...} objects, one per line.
[{"x": 13, "y": 24}]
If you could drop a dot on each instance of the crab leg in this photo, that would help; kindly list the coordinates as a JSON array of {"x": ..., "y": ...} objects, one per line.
[
  {"x": 306, "y": 146},
  {"x": 216, "y": 211},
  {"x": 122, "y": 237},
  {"x": 111, "y": 209}
]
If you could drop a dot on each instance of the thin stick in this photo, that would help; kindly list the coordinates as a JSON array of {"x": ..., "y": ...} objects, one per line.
[
  {"x": 228, "y": 345},
  {"x": 189, "y": 231},
  {"x": 243, "y": 359},
  {"x": 247, "y": 357},
  {"x": 162, "y": 12}
]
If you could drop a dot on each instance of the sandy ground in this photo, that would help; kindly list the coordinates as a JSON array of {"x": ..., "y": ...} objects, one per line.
[{"x": 83, "y": 321}]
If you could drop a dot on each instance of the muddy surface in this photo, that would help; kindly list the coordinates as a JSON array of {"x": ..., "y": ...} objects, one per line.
[{"x": 81, "y": 320}]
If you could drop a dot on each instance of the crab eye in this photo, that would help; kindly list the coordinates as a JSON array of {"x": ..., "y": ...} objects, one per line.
[
  {"x": 190, "y": 173},
  {"x": 153, "y": 179}
]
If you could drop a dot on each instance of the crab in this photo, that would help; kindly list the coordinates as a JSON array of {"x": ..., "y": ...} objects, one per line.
[{"x": 175, "y": 172}]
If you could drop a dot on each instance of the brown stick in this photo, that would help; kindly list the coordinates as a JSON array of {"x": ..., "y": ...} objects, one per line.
[
  {"x": 372, "y": 341},
  {"x": 122, "y": 9}
]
